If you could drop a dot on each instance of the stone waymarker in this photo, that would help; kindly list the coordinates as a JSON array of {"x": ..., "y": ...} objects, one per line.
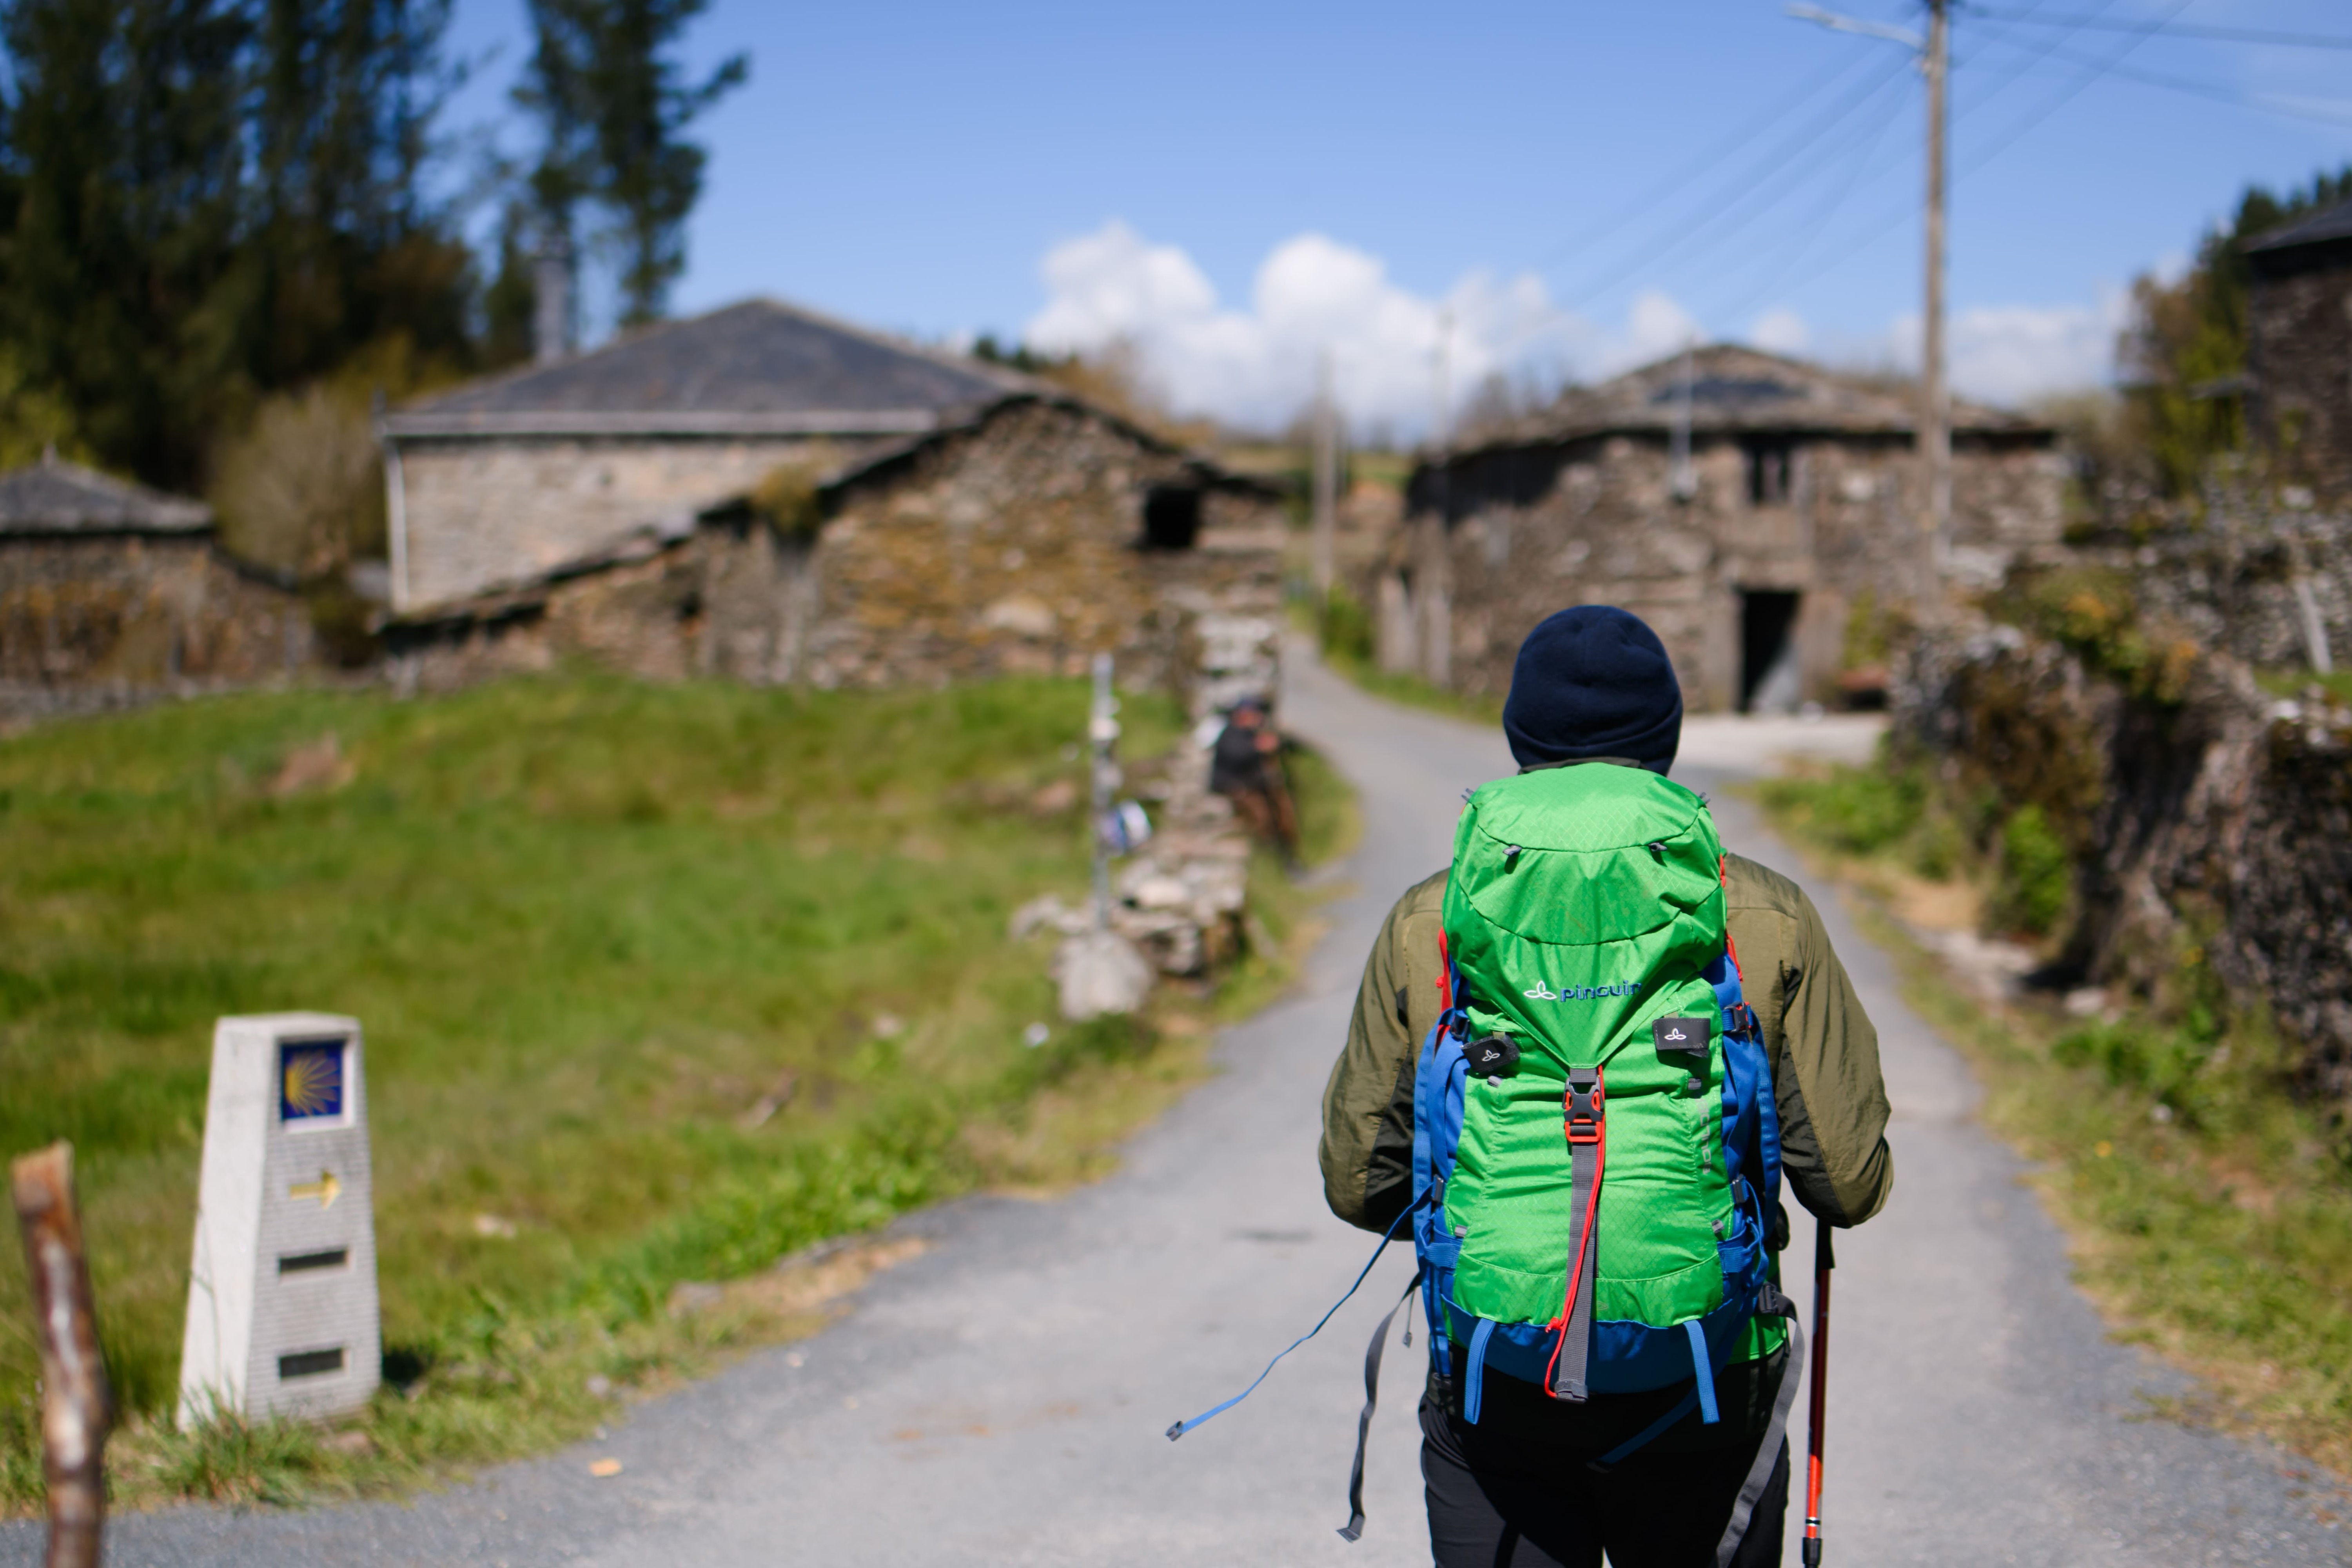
[{"x": 281, "y": 1298}]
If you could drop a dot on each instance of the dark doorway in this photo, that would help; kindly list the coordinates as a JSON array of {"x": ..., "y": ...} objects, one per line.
[
  {"x": 1769, "y": 679},
  {"x": 1171, "y": 518}
]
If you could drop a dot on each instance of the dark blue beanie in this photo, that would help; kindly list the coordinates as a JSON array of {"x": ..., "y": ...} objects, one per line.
[{"x": 1593, "y": 681}]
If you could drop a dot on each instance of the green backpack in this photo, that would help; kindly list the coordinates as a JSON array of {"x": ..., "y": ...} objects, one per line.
[{"x": 1596, "y": 1156}]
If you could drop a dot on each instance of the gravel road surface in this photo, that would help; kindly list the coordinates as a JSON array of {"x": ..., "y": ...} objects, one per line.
[{"x": 1001, "y": 1398}]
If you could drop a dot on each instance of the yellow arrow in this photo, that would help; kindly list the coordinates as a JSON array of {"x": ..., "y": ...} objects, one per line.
[{"x": 324, "y": 1189}]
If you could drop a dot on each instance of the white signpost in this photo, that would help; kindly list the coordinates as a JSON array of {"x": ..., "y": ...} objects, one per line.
[{"x": 281, "y": 1296}]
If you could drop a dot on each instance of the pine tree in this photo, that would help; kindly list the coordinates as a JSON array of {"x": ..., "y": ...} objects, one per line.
[
  {"x": 123, "y": 296},
  {"x": 612, "y": 107}
]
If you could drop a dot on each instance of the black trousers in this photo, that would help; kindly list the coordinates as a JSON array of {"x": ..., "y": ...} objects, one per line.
[{"x": 1501, "y": 1497}]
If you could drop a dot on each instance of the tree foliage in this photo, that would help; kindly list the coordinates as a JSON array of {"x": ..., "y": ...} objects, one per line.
[
  {"x": 612, "y": 103},
  {"x": 210, "y": 207},
  {"x": 2183, "y": 351}
]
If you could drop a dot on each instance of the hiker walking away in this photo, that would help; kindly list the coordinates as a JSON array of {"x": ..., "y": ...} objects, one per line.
[
  {"x": 1245, "y": 767},
  {"x": 1609, "y": 1345}
]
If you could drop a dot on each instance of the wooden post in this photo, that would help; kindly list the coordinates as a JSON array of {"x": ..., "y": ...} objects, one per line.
[{"x": 76, "y": 1407}]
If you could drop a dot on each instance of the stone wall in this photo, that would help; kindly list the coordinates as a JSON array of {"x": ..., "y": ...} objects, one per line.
[
  {"x": 2299, "y": 359},
  {"x": 1535, "y": 530},
  {"x": 1012, "y": 547},
  {"x": 2213, "y": 829},
  {"x": 98, "y": 621},
  {"x": 1016, "y": 548},
  {"x": 483, "y": 514},
  {"x": 2255, "y": 585}
]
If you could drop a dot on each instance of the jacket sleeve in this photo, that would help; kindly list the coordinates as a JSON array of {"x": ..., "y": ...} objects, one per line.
[
  {"x": 1367, "y": 1146},
  {"x": 1831, "y": 1097}
]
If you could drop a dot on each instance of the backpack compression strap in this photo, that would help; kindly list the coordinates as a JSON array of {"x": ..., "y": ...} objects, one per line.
[{"x": 1587, "y": 1152}]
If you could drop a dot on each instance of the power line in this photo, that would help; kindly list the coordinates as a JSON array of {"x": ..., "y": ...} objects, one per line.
[
  {"x": 1725, "y": 199},
  {"x": 1812, "y": 229},
  {"x": 1896, "y": 217},
  {"x": 2260, "y": 103},
  {"x": 2177, "y": 31},
  {"x": 1743, "y": 136}
]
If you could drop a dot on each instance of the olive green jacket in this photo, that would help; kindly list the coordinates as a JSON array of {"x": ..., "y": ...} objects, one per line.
[{"x": 1825, "y": 1076}]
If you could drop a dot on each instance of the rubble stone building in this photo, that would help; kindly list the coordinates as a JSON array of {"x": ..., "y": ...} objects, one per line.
[
  {"x": 1796, "y": 508},
  {"x": 112, "y": 593},
  {"x": 766, "y": 494},
  {"x": 2299, "y": 353}
]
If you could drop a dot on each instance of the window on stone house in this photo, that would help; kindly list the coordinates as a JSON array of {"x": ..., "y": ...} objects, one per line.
[
  {"x": 1771, "y": 467},
  {"x": 1171, "y": 518}
]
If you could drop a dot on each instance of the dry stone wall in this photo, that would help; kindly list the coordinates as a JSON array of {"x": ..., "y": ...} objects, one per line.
[
  {"x": 1538, "y": 529},
  {"x": 1012, "y": 548},
  {"x": 1016, "y": 548},
  {"x": 2213, "y": 829},
  {"x": 2253, "y": 583},
  {"x": 91, "y": 622}
]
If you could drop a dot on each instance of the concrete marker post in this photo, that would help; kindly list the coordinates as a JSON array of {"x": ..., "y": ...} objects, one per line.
[{"x": 282, "y": 1308}]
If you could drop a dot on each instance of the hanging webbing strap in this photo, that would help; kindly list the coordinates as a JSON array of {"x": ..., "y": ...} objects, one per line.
[
  {"x": 1473, "y": 1373},
  {"x": 1767, "y": 1453},
  {"x": 1647, "y": 1435},
  {"x": 1702, "y": 1372},
  {"x": 1587, "y": 1097},
  {"x": 1181, "y": 1427},
  {"x": 1354, "y": 1529}
]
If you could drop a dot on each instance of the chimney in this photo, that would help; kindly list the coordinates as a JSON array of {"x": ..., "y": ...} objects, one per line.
[{"x": 552, "y": 327}]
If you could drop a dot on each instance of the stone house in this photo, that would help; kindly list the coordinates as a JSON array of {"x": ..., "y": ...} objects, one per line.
[
  {"x": 2299, "y": 353},
  {"x": 1747, "y": 505},
  {"x": 765, "y": 494},
  {"x": 112, "y": 593}
]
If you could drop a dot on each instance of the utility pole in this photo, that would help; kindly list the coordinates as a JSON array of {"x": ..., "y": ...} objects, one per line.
[
  {"x": 1442, "y": 437},
  {"x": 1681, "y": 478},
  {"x": 1935, "y": 444},
  {"x": 1327, "y": 476},
  {"x": 1936, "y": 397}
]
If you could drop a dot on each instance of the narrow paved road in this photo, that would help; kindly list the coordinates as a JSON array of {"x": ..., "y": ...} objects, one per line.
[{"x": 1001, "y": 1398}]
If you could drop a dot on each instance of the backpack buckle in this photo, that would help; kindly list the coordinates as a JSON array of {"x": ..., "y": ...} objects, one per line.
[{"x": 1586, "y": 1096}]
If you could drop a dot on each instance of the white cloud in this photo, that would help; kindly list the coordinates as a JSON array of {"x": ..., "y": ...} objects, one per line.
[
  {"x": 1256, "y": 365},
  {"x": 2012, "y": 354},
  {"x": 1781, "y": 331}
]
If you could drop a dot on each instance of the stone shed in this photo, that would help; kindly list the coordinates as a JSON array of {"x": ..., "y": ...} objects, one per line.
[
  {"x": 767, "y": 495},
  {"x": 112, "y": 593},
  {"x": 1749, "y": 506},
  {"x": 2299, "y": 353}
]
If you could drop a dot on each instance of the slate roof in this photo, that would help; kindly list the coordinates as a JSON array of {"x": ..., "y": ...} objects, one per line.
[
  {"x": 761, "y": 367},
  {"x": 2316, "y": 228},
  {"x": 56, "y": 497},
  {"x": 1737, "y": 389}
]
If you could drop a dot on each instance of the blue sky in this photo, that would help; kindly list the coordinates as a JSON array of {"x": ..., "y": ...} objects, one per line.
[{"x": 1234, "y": 188}]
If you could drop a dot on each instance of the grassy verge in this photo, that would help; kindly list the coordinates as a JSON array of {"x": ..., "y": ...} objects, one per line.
[
  {"x": 2211, "y": 1212},
  {"x": 659, "y": 984}
]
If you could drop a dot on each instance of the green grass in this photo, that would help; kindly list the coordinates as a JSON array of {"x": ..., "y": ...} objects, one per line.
[
  {"x": 587, "y": 925},
  {"x": 2337, "y": 683},
  {"x": 2211, "y": 1210}
]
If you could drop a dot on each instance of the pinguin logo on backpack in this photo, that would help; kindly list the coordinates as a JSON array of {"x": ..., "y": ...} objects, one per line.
[{"x": 1542, "y": 992}]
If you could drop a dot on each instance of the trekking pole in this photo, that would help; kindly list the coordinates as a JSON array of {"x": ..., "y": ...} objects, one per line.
[{"x": 1824, "y": 1259}]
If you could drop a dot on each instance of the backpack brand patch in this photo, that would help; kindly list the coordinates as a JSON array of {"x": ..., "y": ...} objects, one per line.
[{"x": 1686, "y": 1036}]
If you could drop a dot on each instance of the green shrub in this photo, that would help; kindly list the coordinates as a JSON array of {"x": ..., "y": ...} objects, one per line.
[
  {"x": 1860, "y": 811},
  {"x": 1345, "y": 628},
  {"x": 2037, "y": 874}
]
